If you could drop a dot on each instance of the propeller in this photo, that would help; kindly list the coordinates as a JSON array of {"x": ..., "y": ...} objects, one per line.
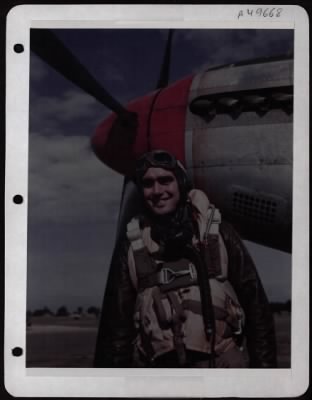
[
  {"x": 45, "y": 44},
  {"x": 163, "y": 79},
  {"x": 130, "y": 199},
  {"x": 50, "y": 49}
]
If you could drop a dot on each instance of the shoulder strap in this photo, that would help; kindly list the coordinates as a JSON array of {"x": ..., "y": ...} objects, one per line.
[
  {"x": 213, "y": 222},
  {"x": 143, "y": 264},
  {"x": 214, "y": 243},
  {"x": 134, "y": 234}
]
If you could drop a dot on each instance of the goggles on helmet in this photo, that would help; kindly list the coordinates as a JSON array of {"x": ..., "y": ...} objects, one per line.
[
  {"x": 157, "y": 158},
  {"x": 163, "y": 159}
]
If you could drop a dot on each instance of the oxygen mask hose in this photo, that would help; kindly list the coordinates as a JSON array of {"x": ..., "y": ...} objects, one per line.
[{"x": 206, "y": 299}]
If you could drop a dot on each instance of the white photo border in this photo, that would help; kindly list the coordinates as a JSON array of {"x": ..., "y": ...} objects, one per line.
[{"x": 89, "y": 382}]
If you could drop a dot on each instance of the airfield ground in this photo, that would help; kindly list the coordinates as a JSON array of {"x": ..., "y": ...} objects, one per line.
[{"x": 61, "y": 342}]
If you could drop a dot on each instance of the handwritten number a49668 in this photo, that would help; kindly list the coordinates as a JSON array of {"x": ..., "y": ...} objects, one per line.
[{"x": 260, "y": 12}]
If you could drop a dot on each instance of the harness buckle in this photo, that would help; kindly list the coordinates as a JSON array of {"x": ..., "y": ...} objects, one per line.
[
  {"x": 239, "y": 329},
  {"x": 167, "y": 275}
]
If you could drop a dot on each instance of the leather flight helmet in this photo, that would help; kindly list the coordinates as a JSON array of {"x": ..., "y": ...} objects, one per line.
[{"x": 165, "y": 160}]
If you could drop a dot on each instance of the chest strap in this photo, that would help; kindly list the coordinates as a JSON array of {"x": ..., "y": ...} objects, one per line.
[
  {"x": 170, "y": 276},
  {"x": 180, "y": 274}
]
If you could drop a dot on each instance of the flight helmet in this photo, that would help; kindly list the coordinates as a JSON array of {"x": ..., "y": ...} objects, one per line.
[{"x": 165, "y": 160}]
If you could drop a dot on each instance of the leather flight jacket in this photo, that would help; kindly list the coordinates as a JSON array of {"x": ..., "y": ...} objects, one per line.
[{"x": 116, "y": 334}]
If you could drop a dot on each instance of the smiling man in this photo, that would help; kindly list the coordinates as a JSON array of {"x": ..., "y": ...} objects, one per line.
[
  {"x": 160, "y": 190},
  {"x": 182, "y": 290}
]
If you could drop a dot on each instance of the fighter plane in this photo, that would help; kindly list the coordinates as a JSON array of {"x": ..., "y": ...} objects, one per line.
[{"x": 231, "y": 126}]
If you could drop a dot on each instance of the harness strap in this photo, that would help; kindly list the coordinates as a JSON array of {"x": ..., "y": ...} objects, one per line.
[
  {"x": 210, "y": 215},
  {"x": 213, "y": 222},
  {"x": 178, "y": 318},
  {"x": 235, "y": 317},
  {"x": 160, "y": 311},
  {"x": 212, "y": 256},
  {"x": 179, "y": 311},
  {"x": 145, "y": 267},
  {"x": 212, "y": 245},
  {"x": 171, "y": 277},
  {"x": 134, "y": 234},
  {"x": 167, "y": 277}
]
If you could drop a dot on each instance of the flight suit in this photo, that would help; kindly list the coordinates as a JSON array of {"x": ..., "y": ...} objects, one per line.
[{"x": 120, "y": 333}]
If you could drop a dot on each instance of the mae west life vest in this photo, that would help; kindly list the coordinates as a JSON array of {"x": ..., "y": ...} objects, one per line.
[{"x": 169, "y": 310}]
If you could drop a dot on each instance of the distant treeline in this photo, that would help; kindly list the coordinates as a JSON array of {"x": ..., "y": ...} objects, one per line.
[{"x": 63, "y": 311}]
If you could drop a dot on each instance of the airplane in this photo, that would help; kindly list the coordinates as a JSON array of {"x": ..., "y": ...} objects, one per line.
[{"x": 231, "y": 126}]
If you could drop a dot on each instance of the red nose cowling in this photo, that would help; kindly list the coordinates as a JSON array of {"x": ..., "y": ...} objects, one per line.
[{"x": 161, "y": 125}]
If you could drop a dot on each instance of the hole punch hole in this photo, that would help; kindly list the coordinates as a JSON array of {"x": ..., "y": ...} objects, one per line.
[
  {"x": 18, "y": 48},
  {"x": 17, "y": 351},
  {"x": 18, "y": 199}
]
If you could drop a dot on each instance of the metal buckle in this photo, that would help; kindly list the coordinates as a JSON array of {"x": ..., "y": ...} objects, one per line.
[
  {"x": 167, "y": 275},
  {"x": 239, "y": 330}
]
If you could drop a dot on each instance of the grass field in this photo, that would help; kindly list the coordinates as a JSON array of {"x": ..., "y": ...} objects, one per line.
[{"x": 63, "y": 342}]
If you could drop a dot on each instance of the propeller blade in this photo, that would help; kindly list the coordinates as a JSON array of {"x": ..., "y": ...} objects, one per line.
[
  {"x": 165, "y": 68},
  {"x": 128, "y": 209},
  {"x": 49, "y": 48},
  {"x": 130, "y": 205}
]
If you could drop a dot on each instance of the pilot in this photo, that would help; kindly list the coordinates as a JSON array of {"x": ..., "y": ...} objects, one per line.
[{"x": 182, "y": 290}]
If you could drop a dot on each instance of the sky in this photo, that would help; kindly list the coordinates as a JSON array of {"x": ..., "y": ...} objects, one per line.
[{"x": 73, "y": 199}]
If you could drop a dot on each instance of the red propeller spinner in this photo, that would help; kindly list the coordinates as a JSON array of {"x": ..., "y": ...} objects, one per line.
[{"x": 155, "y": 121}]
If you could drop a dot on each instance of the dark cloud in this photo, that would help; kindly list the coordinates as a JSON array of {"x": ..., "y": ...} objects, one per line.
[
  {"x": 72, "y": 112},
  {"x": 68, "y": 183},
  {"x": 219, "y": 46},
  {"x": 75, "y": 272}
]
